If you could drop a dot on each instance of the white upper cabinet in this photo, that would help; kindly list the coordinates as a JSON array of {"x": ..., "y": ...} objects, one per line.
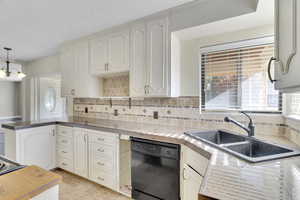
[
  {"x": 99, "y": 55},
  {"x": 138, "y": 70},
  {"x": 287, "y": 41},
  {"x": 157, "y": 51},
  {"x": 110, "y": 53},
  {"x": 118, "y": 52},
  {"x": 149, "y": 58},
  {"x": 76, "y": 79},
  {"x": 67, "y": 66}
]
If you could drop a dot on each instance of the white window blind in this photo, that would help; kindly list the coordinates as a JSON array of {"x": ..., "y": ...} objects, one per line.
[
  {"x": 236, "y": 79},
  {"x": 293, "y": 104}
]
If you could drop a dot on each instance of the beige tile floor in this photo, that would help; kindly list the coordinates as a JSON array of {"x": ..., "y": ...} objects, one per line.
[{"x": 77, "y": 188}]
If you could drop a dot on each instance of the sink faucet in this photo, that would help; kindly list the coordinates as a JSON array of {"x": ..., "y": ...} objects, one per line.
[{"x": 249, "y": 129}]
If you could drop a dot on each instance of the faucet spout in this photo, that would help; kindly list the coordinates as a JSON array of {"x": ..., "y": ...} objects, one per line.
[{"x": 250, "y": 129}]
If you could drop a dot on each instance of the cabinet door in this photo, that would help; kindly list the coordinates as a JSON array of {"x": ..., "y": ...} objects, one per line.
[
  {"x": 138, "y": 69},
  {"x": 84, "y": 81},
  {"x": 157, "y": 57},
  {"x": 118, "y": 52},
  {"x": 287, "y": 42},
  {"x": 67, "y": 64},
  {"x": 38, "y": 147},
  {"x": 191, "y": 183},
  {"x": 80, "y": 153},
  {"x": 98, "y": 55}
]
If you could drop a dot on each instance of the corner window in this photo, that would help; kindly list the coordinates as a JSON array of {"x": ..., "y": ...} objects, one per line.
[{"x": 234, "y": 77}]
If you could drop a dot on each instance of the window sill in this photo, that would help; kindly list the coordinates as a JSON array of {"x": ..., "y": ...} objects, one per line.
[
  {"x": 293, "y": 117},
  {"x": 257, "y": 117}
]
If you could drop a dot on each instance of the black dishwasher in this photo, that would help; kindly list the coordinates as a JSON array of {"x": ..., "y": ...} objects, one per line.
[{"x": 155, "y": 170}]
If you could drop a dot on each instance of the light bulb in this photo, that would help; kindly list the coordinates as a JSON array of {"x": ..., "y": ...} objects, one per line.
[
  {"x": 2, "y": 73},
  {"x": 21, "y": 75}
]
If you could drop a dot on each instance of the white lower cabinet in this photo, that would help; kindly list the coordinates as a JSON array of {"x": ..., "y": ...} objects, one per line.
[
  {"x": 191, "y": 183},
  {"x": 90, "y": 154},
  {"x": 104, "y": 158},
  {"x": 80, "y": 152},
  {"x": 33, "y": 146},
  {"x": 193, "y": 169},
  {"x": 50, "y": 194},
  {"x": 65, "y": 148}
]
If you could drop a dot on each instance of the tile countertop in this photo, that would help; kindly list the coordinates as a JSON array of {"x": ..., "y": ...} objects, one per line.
[{"x": 227, "y": 177}]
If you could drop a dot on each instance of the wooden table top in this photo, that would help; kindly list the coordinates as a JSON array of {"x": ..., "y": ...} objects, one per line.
[{"x": 26, "y": 183}]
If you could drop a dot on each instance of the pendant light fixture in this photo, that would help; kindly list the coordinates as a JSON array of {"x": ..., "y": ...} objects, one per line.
[{"x": 6, "y": 72}]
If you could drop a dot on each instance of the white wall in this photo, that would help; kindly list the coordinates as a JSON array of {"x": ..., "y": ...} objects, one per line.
[
  {"x": 9, "y": 99},
  {"x": 43, "y": 66},
  {"x": 190, "y": 49}
]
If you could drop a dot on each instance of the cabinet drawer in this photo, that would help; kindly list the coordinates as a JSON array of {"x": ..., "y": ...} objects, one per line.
[
  {"x": 100, "y": 150},
  {"x": 65, "y": 152},
  {"x": 103, "y": 137},
  {"x": 65, "y": 163},
  {"x": 196, "y": 161},
  {"x": 65, "y": 131},
  {"x": 105, "y": 179},
  {"x": 102, "y": 164},
  {"x": 65, "y": 141}
]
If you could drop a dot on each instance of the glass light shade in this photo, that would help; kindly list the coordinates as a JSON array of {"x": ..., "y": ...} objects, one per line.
[
  {"x": 2, "y": 73},
  {"x": 21, "y": 75}
]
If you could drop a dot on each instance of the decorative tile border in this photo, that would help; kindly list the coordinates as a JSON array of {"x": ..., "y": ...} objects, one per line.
[{"x": 181, "y": 111}]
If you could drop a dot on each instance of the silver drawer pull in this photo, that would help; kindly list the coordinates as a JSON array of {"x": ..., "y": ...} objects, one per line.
[
  {"x": 64, "y": 164},
  {"x": 64, "y": 152},
  {"x": 100, "y": 139},
  {"x": 101, "y": 179},
  {"x": 64, "y": 141},
  {"x": 101, "y": 150},
  {"x": 101, "y": 164}
]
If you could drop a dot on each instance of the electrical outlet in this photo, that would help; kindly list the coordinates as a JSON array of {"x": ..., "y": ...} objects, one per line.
[
  {"x": 155, "y": 115},
  {"x": 116, "y": 113}
]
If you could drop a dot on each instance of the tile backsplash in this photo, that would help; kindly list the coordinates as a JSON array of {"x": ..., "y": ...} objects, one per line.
[
  {"x": 117, "y": 86},
  {"x": 181, "y": 111}
]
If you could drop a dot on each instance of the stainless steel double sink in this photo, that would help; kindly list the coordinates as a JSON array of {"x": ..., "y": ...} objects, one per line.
[{"x": 247, "y": 148}]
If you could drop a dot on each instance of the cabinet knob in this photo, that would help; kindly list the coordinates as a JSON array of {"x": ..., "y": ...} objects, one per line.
[
  {"x": 101, "y": 150},
  {"x": 100, "y": 139},
  {"x": 101, "y": 179},
  {"x": 101, "y": 164}
]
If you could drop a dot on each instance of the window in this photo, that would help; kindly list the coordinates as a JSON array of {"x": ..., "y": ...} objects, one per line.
[
  {"x": 234, "y": 77},
  {"x": 293, "y": 104}
]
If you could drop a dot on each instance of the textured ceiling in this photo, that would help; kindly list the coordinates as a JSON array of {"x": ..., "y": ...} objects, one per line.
[{"x": 35, "y": 28}]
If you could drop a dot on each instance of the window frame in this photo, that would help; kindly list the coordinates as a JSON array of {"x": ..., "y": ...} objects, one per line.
[{"x": 230, "y": 46}]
